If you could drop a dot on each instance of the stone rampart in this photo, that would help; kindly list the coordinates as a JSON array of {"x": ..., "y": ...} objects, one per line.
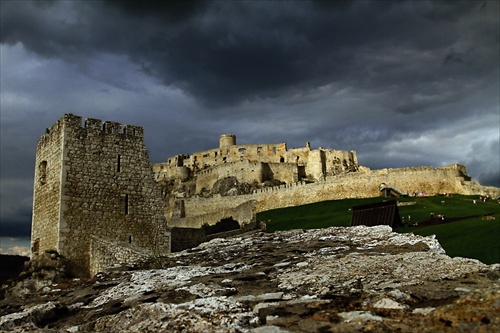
[
  {"x": 415, "y": 180},
  {"x": 244, "y": 214},
  {"x": 106, "y": 252}
]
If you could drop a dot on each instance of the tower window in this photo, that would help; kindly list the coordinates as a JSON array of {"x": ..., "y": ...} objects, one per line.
[
  {"x": 126, "y": 204},
  {"x": 42, "y": 172},
  {"x": 118, "y": 163}
]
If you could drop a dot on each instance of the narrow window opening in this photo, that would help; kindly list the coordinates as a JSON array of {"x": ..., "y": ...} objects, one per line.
[
  {"x": 282, "y": 159},
  {"x": 126, "y": 204},
  {"x": 42, "y": 176},
  {"x": 130, "y": 239},
  {"x": 118, "y": 163}
]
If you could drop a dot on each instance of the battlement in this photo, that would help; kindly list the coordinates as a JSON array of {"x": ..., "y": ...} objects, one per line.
[
  {"x": 110, "y": 127},
  {"x": 91, "y": 124}
]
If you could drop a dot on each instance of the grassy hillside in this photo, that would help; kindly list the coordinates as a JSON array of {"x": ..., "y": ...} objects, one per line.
[{"x": 464, "y": 233}]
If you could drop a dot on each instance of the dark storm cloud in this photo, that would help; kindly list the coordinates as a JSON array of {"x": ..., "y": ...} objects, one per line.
[
  {"x": 403, "y": 83},
  {"x": 173, "y": 11},
  {"x": 223, "y": 53}
]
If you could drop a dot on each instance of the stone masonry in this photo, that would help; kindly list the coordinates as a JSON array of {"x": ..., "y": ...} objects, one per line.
[
  {"x": 99, "y": 201},
  {"x": 94, "y": 180},
  {"x": 306, "y": 176}
]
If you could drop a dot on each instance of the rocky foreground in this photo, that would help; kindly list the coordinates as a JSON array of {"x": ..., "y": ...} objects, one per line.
[{"x": 357, "y": 279}]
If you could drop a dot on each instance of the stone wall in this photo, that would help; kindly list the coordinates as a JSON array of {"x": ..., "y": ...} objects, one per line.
[
  {"x": 245, "y": 171},
  {"x": 47, "y": 190},
  {"x": 284, "y": 172},
  {"x": 107, "y": 188},
  {"x": 244, "y": 213},
  {"x": 416, "y": 180},
  {"x": 106, "y": 252}
]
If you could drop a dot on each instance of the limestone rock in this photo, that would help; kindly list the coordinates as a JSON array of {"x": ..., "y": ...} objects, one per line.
[{"x": 326, "y": 280}]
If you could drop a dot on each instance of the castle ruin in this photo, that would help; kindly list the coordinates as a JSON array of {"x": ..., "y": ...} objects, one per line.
[
  {"x": 98, "y": 200},
  {"x": 94, "y": 187}
]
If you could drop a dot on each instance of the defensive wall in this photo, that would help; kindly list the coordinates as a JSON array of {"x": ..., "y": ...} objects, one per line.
[
  {"x": 244, "y": 213},
  {"x": 107, "y": 252},
  {"x": 97, "y": 200},
  {"x": 94, "y": 179},
  {"x": 413, "y": 180}
]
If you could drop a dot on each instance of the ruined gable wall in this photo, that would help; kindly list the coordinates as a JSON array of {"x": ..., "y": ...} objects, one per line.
[
  {"x": 108, "y": 190},
  {"x": 339, "y": 161},
  {"x": 315, "y": 166},
  {"x": 285, "y": 172},
  {"x": 47, "y": 190},
  {"x": 297, "y": 155},
  {"x": 350, "y": 185}
]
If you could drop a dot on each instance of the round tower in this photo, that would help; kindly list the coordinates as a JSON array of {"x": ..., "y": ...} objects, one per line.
[{"x": 227, "y": 140}]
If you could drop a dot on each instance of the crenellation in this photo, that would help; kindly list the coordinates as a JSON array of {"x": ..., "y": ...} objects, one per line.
[
  {"x": 91, "y": 123},
  {"x": 96, "y": 193},
  {"x": 110, "y": 127}
]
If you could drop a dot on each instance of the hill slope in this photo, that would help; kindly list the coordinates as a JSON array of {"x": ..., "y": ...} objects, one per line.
[{"x": 465, "y": 232}]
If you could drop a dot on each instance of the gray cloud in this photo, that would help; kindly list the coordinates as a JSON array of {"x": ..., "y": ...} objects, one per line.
[
  {"x": 403, "y": 83},
  {"x": 207, "y": 48}
]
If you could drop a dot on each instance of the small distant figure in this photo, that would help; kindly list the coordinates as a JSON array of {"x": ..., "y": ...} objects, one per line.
[
  {"x": 474, "y": 201},
  {"x": 432, "y": 215},
  {"x": 442, "y": 217},
  {"x": 409, "y": 218}
]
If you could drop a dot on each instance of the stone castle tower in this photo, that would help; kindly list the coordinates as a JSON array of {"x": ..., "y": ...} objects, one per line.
[{"x": 94, "y": 182}]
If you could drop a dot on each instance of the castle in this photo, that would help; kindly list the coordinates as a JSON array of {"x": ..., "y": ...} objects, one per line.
[
  {"x": 255, "y": 163},
  {"x": 95, "y": 199},
  {"x": 98, "y": 200}
]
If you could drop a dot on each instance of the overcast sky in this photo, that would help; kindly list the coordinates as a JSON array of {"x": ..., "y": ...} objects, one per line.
[{"x": 404, "y": 83}]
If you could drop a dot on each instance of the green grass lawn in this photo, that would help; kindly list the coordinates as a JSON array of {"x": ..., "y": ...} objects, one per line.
[{"x": 468, "y": 236}]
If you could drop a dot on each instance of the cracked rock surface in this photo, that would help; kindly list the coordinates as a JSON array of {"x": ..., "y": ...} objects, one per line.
[{"x": 357, "y": 279}]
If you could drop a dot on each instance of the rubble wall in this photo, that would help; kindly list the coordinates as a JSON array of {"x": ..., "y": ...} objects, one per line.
[
  {"x": 415, "y": 180},
  {"x": 245, "y": 171},
  {"x": 105, "y": 252},
  {"x": 244, "y": 213}
]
